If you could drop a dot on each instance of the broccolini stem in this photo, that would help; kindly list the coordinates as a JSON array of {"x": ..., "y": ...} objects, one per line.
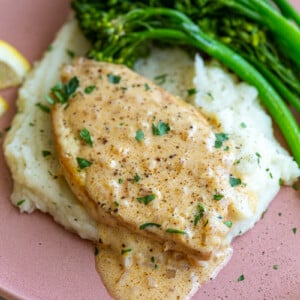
[
  {"x": 277, "y": 84},
  {"x": 288, "y": 10}
]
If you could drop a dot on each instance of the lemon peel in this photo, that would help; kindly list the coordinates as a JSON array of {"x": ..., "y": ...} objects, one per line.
[
  {"x": 13, "y": 66},
  {"x": 3, "y": 105}
]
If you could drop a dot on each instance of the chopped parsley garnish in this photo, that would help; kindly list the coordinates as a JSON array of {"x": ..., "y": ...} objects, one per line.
[
  {"x": 145, "y": 225},
  {"x": 7, "y": 128},
  {"x": 160, "y": 79},
  {"x": 241, "y": 278},
  {"x": 139, "y": 136},
  {"x": 243, "y": 125},
  {"x": 280, "y": 181},
  {"x": 192, "y": 92},
  {"x": 153, "y": 261},
  {"x": 199, "y": 215},
  {"x": 176, "y": 231},
  {"x": 50, "y": 48},
  {"x": 89, "y": 89},
  {"x": 96, "y": 251},
  {"x": 161, "y": 128},
  {"x": 70, "y": 53},
  {"x": 146, "y": 199},
  {"x": 46, "y": 153},
  {"x": 49, "y": 99},
  {"x": 120, "y": 180},
  {"x": 125, "y": 251},
  {"x": 114, "y": 79},
  {"x": 218, "y": 197},
  {"x": 83, "y": 163},
  {"x": 147, "y": 87},
  {"x": 63, "y": 92},
  {"x": 275, "y": 267},
  {"x": 205, "y": 224},
  {"x": 43, "y": 107},
  {"x": 258, "y": 157},
  {"x": 294, "y": 230},
  {"x": 19, "y": 203},
  {"x": 116, "y": 203},
  {"x": 226, "y": 148},
  {"x": 137, "y": 178},
  {"x": 234, "y": 181},
  {"x": 295, "y": 186},
  {"x": 220, "y": 139},
  {"x": 228, "y": 224},
  {"x": 86, "y": 136}
]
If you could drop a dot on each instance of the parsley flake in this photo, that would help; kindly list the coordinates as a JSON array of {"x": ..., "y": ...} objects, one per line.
[
  {"x": 46, "y": 153},
  {"x": 83, "y": 163},
  {"x": 139, "y": 136},
  {"x": 120, "y": 180},
  {"x": 243, "y": 125},
  {"x": 125, "y": 251},
  {"x": 176, "y": 231},
  {"x": 241, "y": 278},
  {"x": 145, "y": 225},
  {"x": 114, "y": 79},
  {"x": 137, "y": 178},
  {"x": 89, "y": 89},
  {"x": 43, "y": 107},
  {"x": 275, "y": 267},
  {"x": 220, "y": 139},
  {"x": 218, "y": 197},
  {"x": 96, "y": 251},
  {"x": 153, "y": 261},
  {"x": 19, "y": 203},
  {"x": 147, "y": 87},
  {"x": 234, "y": 181},
  {"x": 62, "y": 92},
  {"x": 70, "y": 53},
  {"x": 199, "y": 215},
  {"x": 86, "y": 136},
  {"x": 192, "y": 92},
  {"x": 161, "y": 79},
  {"x": 294, "y": 230},
  {"x": 146, "y": 199},
  {"x": 161, "y": 128},
  {"x": 228, "y": 224}
]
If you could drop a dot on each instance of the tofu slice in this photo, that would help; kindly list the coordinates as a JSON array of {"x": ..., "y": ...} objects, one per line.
[{"x": 147, "y": 160}]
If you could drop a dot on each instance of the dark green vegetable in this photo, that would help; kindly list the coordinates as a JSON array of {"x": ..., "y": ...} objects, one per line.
[{"x": 248, "y": 36}]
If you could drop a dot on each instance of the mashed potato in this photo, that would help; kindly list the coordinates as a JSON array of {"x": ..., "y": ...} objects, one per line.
[{"x": 228, "y": 103}]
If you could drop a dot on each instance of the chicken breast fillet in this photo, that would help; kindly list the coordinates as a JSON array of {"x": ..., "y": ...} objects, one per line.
[{"x": 141, "y": 158}]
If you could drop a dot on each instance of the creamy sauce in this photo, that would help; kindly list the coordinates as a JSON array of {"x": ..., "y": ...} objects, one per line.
[
  {"x": 153, "y": 179},
  {"x": 134, "y": 267}
]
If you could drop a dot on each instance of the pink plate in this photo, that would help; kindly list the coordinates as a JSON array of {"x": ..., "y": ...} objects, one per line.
[{"x": 40, "y": 260}]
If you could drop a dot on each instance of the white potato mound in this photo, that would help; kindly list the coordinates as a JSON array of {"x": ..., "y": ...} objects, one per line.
[{"x": 233, "y": 105}]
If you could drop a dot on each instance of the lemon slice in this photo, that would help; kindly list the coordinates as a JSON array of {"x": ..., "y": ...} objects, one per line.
[
  {"x": 3, "y": 106},
  {"x": 13, "y": 66}
]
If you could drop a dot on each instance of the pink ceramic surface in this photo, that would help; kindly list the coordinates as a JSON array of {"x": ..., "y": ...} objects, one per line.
[{"x": 40, "y": 260}]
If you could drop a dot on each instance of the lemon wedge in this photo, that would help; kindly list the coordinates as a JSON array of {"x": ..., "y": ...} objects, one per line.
[
  {"x": 13, "y": 66},
  {"x": 3, "y": 106}
]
